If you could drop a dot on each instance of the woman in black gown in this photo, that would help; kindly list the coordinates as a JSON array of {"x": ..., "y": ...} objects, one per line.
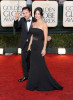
[{"x": 39, "y": 76}]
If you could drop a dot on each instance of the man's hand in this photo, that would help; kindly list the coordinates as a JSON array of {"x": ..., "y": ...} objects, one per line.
[{"x": 16, "y": 15}]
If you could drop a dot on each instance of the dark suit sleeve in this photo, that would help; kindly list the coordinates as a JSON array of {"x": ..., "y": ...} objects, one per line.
[{"x": 17, "y": 24}]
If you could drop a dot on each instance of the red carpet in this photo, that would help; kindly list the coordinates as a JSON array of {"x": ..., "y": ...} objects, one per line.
[{"x": 60, "y": 66}]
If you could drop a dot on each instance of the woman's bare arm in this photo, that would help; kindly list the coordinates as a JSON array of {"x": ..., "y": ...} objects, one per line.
[
  {"x": 29, "y": 46},
  {"x": 45, "y": 29}
]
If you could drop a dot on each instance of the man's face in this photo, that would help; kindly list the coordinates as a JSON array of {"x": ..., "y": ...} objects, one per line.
[{"x": 26, "y": 14}]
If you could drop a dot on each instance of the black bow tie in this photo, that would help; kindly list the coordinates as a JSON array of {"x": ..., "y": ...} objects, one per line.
[{"x": 28, "y": 20}]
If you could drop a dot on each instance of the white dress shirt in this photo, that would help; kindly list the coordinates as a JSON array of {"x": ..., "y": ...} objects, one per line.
[{"x": 29, "y": 23}]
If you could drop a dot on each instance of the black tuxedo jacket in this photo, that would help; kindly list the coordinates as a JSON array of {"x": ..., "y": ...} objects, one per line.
[{"x": 25, "y": 34}]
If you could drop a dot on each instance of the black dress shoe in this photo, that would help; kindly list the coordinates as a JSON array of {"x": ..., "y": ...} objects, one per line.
[{"x": 23, "y": 79}]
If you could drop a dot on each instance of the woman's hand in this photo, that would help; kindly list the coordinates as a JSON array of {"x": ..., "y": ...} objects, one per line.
[
  {"x": 28, "y": 49},
  {"x": 49, "y": 38},
  {"x": 43, "y": 52}
]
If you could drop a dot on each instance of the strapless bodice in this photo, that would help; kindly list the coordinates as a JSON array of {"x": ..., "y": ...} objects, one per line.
[{"x": 37, "y": 33}]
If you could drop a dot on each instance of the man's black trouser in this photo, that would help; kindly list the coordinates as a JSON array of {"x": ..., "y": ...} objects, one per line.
[{"x": 25, "y": 60}]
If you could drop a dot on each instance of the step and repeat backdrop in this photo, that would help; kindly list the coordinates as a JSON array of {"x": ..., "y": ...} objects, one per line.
[{"x": 50, "y": 8}]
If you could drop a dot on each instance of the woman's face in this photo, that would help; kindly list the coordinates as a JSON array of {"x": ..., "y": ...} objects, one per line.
[{"x": 38, "y": 15}]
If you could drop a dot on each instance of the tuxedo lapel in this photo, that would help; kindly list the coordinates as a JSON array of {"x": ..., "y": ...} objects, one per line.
[
  {"x": 26, "y": 26},
  {"x": 30, "y": 26}
]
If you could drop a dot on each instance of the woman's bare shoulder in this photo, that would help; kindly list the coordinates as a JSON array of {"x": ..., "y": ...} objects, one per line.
[{"x": 44, "y": 24}]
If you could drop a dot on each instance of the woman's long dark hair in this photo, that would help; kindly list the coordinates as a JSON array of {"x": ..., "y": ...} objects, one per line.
[{"x": 38, "y": 9}]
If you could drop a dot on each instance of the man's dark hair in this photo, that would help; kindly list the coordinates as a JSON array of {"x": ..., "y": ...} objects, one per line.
[{"x": 24, "y": 8}]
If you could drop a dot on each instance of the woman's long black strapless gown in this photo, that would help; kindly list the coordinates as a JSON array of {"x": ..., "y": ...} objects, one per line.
[{"x": 39, "y": 76}]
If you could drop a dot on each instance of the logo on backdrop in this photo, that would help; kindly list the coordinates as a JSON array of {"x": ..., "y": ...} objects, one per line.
[
  {"x": 49, "y": 17},
  {"x": 68, "y": 14},
  {"x": 50, "y": 9},
  {"x": 8, "y": 9}
]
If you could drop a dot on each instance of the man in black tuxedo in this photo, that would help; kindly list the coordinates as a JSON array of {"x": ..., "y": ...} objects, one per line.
[{"x": 25, "y": 23}]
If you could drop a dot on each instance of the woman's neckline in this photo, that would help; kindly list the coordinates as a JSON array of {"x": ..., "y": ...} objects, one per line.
[{"x": 37, "y": 28}]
